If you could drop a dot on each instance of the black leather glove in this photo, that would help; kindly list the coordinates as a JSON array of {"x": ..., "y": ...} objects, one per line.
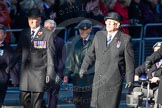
[
  {"x": 148, "y": 64},
  {"x": 129, "y": 85}
]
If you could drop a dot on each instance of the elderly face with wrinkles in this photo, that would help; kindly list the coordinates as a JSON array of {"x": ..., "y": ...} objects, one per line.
[{"x": 111, "y": 25}]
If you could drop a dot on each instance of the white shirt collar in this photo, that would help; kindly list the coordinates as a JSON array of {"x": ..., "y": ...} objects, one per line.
[
  {"x": 36, "y": 30},
  {"x": 87, "y": 37},
  {"x": 112, "y": 34}
]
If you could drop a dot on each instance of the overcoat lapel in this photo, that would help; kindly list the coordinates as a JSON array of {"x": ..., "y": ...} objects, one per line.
[
  {"x": 88, "y": 43},
  {"x": 114, "y": 41},
  {"x": 39, "y": 34},
  {"x": 28, "y": 35},
  {"x": 103, "y": 41}
]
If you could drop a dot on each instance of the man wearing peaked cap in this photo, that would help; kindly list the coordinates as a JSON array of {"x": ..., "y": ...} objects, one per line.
[
  {"x": 112, "y": 52},
  {"x": 157, "y": 44},
  {"x": 82, "y": 95},
  {"x": 85, "y": 24},
  {"x": 38, "y": 67}
]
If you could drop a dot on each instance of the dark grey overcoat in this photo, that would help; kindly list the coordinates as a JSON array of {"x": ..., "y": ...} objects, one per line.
[
  {"x": 112, "y": 62},
  {"x": 37, "y": 59}
]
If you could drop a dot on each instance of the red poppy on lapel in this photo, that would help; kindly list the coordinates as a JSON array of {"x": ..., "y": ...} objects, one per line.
[{"x": 40, "y": 33}]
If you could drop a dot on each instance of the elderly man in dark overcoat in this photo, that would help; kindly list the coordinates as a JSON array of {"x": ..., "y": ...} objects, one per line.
[
  {"x": 82, "y": 86},
  {"x": 38, "y": 58},
  {"x": 114, "y": 58}
]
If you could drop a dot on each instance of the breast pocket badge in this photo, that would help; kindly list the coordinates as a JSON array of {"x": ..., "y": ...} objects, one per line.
[
  {"x": 118, "y": 44},
  {"x": 1, "y": 52},
  {"x": 40, "y": 44}
]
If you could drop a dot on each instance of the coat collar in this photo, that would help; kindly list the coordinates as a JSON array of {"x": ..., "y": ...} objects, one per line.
[
  {"x": 37, "y": 35},
  {"x": 114, "y": 40}
]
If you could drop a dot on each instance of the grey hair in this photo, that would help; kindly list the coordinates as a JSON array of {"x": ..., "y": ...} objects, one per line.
[{"x": 52, "y": 22}]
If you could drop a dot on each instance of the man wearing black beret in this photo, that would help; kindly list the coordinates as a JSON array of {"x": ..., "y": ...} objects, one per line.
[{"x": 114, "y": 58}]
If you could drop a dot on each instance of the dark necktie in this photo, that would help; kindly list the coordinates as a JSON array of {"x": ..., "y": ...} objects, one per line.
[
  {"x": 109, "y": 37},
  {"x": 84, "y": 42},
  {"x": 32, "y": 35}
]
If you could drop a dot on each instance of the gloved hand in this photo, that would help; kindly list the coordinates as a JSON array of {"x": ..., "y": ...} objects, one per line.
[
  {"x": 81, "y": 73},
  {"x": 58, "y": 80},
  {"x": 48, "y": 84},
  {"x": 129, "y": 85},
  {"x": 148, "y": 64}
]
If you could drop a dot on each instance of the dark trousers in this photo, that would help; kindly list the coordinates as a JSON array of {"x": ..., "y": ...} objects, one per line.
[
  {"x": 3, "y": 87},
  {"x": 2, "y": 97},
  {"x": 53, "y": 96},
  {"x": 31, "y": 99},
  {"x": 82, "y": 99}
]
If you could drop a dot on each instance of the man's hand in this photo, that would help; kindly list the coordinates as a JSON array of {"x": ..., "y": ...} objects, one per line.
[
  {"x": 129, "y": 85},
  {"x": 66, "y": 79},
  {"x": 148, "y": 64},
  {"x": 81, "y": 73},
  {"x": 155, "y": 80},
  {"x": 136, "y": 78}
]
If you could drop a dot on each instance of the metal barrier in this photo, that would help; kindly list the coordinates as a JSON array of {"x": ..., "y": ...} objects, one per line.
[
  {"x": 140, "y": 26},
  {"x": 58, "y": 30},
  {"x": 147, "y": 46},
  {"x": 137, "y": 42},
  {"x": 148, "y": 42},
  {"x": 14, "y": 30},
  {"x": 137, "y": 46},
  {"x": 150, "y": 25},
  {"x": 142, "y": 44}
]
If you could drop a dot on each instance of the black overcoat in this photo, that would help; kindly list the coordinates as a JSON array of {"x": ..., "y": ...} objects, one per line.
[
  {"x": 37, "y": 59},
  {"x": 6, "y": 54},
  {"x": 112, "y": 62}
]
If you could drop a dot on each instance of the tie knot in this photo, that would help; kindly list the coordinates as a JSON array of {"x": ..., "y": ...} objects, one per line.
[
  {"x": 109, "y": 35},
  {"x": 84, "y": 42},
  {"x": 32, "y": 33}
]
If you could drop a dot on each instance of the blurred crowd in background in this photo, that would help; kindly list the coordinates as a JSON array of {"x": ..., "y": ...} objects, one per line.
[{"x": 13, "y": 13}]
